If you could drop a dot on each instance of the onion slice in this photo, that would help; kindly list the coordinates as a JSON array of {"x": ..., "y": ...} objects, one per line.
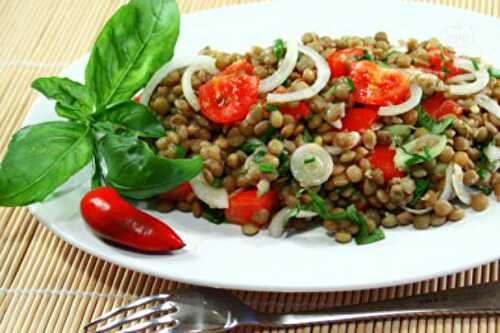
[
  {"x": 448, "y": 192},
  {"x": 213, "y": 197},
  {"x": 284, "y": 70},
  {"x": 280, "y": 219},
  {"x": 457, "y": 181},
  {"x": 169, "y": 67},
  {"x": 417, "y": 211},
  {"x": 462, "y": 78},
  {"x": 311, "y": 165},
  {"x": 482, "y": 79},
  {"x": 187, "y": 87},
  {"x": 412, "y": 102},
  {"x": 322, "y": 77},
  {"x": 488, "y": 103},
  {"x": 492, "y": 153}
]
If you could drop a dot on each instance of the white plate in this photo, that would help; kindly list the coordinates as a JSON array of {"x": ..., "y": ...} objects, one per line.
[{"x": 220, "y": 256}]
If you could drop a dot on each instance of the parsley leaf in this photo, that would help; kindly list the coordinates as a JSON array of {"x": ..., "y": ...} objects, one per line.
[
  {"x": 309, "y": 160},
  {"x": 494, "y": 72},
  {"x": 475, "y": 64},
  {"x": 251, "y": 145},
  {"x": 284, "y": 167},
  {"x": 180, "y": 152},
  {"x": 271, "y": 108},
  {"x": 366, "y": 56},
  {"x": 435, "y": 127},
  {"x": 486, "y": 190},
  {"x": 267, "y": 168},
  {"x": 216, "y": 216},
  {"x": 418, "y": 158},
  {"x": 307, "y": 135},
  {"x": 279, "y": 48},
  {"x": 421, "y": 186},
  {"x": 217, "y": 182}
]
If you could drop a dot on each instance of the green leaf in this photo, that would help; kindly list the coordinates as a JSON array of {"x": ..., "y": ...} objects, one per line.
[
  {"x": 421, "y": 186},
  {"x": 216, "y": 216},
  {"x": 251, "y": 145},
  {"x": 267, "y": 168},
  {"x": 136, "y": 172},
  {"x": 475, "y": 64},
  {"x": 217, "y": 182},
  {"x": 138, "y": 39},
  {"x": 271, "y": 108},
  {"x": 350, "y": 84},
  {"x": 284, "y": 167},
  {"x": 494, "y": 72},
  {"x": 279, "y": 48},
  {"x": 74, "y": 100},
  {"x": 40, "y": 158},
  {"x": 366, "y": 56},
  {"x": 375, "y": 236},
  {"x": 307, "y": 135},
  {"x": 486, "y": 190},
  {"x": 268, "y": 134},
  {"x": 134, "y": 117},
  {"x": 363, "y": 237},
  {"x": 435, "y": 127},
  {"x": 180, "y": 152}
]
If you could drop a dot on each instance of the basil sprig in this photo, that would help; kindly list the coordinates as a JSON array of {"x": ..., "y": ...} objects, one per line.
[{"x": 105, "y": 125}]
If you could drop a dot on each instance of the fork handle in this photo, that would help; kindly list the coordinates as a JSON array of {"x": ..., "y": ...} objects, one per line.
[{"x": 481, "y": 299}]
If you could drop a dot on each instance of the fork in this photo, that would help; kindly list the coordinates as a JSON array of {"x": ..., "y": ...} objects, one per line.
[{"x": 198, "y": 310}]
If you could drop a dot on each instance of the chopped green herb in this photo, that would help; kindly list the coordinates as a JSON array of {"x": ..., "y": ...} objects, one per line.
[
  {"x": 482, "y": 172},
  {"x": 418, "y": 158},
  {"x": 180, "y": 152},
  {"x": 363, "y": 237},
  {"x": 366, "y": 56},
  {"x": 284, "y": 167},
  {"x": 271, "y": 108},
  {"x": 486, "y": 190},
  {"x": 350, "y": 84},
  {"x": 251, "y": 145},
  {"x": 215, "y": 216},
  {"x": 267, "y": 168},
  {"x": 309, "y": 160},
  {"x": 399, "y": 133},
  {"x": 435, "y": 127},
  {"x": 307, "y": 135},
  {"x": 388, "y": 54},
  {"x": 421, "y": 186},
  {"x": 217, "y": 182},
  {"x": 383, "y": 64},
  {"x": 494, "y": 72},
  {"x": 279, "y": 48},
  {"x": 268, "y": 134},
  {"x": 259, "y": 155},
  {"x": 475, "y": 64}
]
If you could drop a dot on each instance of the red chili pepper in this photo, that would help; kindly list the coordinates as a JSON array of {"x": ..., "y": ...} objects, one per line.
[{"x": 114, "y": 219}]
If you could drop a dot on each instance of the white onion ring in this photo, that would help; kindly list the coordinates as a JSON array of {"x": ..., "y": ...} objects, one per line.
[
  {"x": 412, "y": 102},
  {"x": 488, "y": 103},
  {"x": 171, "y": 66},
  {"x": 322, "y": 77},
  {"x": 448, "y": 192},
  {"x": 187, "y": 87},
  {"x": 457, "y": 181},
  {"x": 462, "y": 78},
  {"x": 213, "y": 197},
  {"x": 284, "y": 70},
  {"x": 482, "y": 79},
  {"x": 280, "y": 219},
  {"x": 417, "y": 211}
]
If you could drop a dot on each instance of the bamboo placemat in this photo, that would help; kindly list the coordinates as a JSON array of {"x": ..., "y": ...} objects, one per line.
[{"x": 46, "y": 285}]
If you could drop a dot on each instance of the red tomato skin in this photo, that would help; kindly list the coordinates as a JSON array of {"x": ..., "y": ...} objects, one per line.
[
  {"x": 337, "y": 61},
  {"x": 227, "y": 98},
  {"x": 436, "y": 61},
  {"x": 137, "y": 98},
  {"x": 301, "y": 111},
  {"x": 382, "y": 157},
  {"x": 378, "y": 86},
  {"x": 243, "y": 204},
  {"x": 241, "y": 66},
  {"x": 180, "y": 193},
  {"x": 359, "y": 119},
  {"x": 438, "y": 106},
  {"x": 114, "y": 219}
]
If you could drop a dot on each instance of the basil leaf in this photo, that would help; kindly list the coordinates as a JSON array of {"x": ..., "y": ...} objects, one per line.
[
  {"x": 138, "y": 39},
  {"x": 137, "y": 172},
  {"x": 74, "y": 100},
  {"x": 40, "y": 158},
  {"x": 133, "y": 117}
]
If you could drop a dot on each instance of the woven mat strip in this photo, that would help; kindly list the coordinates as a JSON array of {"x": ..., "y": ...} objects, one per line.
[{"x": 47, "y": 285}]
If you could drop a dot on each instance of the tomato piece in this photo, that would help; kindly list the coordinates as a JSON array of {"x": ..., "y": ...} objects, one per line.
[
  {"x": 227, "y": 97},
  {"x": 438, "y": 106},
  {"x": 359, "y": 119},
  {"x": 241, "y": 66},
  {"x": 243, "y": 204},
  {"x": 382, "y": 157},
  {"x": 137, "y": 98},
  {"x": 441, "y": 63},
  {"x": 378, "y": 86},
  {"x": 180, "y": 193},
  {"x": 338, "y": 61},
  {"x": 300, "y": 111}
]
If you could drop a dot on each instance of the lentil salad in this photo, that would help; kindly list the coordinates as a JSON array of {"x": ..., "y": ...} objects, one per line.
[{"x": 389, "y": 140}]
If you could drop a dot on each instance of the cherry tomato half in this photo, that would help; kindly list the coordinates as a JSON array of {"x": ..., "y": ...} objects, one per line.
[
  {"x": 180, "y": 193},
  {"x": 438, "y": 106},
  {"x": 300, "y": 111},
  {"x": 378, "y": 86},
  {"x": 227, "y": 97},
  {"x": 338, "y": 61},
  {"x": 242, "y": 205},
  {"x": 359, "y": 119},
  {"x": 382, "y": 157}
]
